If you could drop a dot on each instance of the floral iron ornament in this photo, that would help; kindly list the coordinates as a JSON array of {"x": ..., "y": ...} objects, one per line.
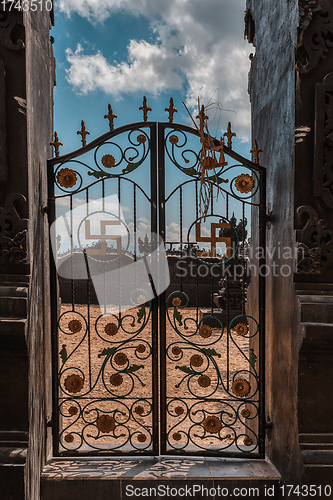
[
  {"x": 66, "y": 178},
  {"x": 211, "y": 160},
  {"x": 244, "y": 183}
]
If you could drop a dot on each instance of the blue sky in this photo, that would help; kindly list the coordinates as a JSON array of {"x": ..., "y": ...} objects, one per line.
[{"x": 116, "y": 51}]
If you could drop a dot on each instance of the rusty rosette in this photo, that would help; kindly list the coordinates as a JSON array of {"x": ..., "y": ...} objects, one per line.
[
  {"x": 139, "y": 410},
  {"x": 248, "y": 441},
  {"x": 177, "y": 436},
  {"x": 241, "y": 388},
  {"x": 196, "y": 360},
  {"x": 205, "y": 331},
  {"x": 141, "y": 348},
  {"x": 105, "y": 424},
  {"x": 141, "y": 139},
  {"x": 121, "y": 358},
  {"x": 111, "y": 329},
  {"x": 244, "y": 183},
  {"x": 66, "y": 178},
  {"x": 179, "y": 410},
  {"x": 69, "y": 438},
  {"x": 116, "y": 379},
  {"x": 108, "y": 161},
  {"x": 241, "y": 329},
  {"x": 73, "y": 410},
  {"x": 141, "y": 299},
  {"x": 74, "y": 383},
  {"x": 212, "y": 424},
  {"x": 176, "y": 351},
  {"x": 142, "y": 438},
  {"x": 75, "y": 326},
  {"x": 246, "y": 413},
  {"x": 176, "y": 302},
  {"x": 173, "y": 139},
  {"x": 204, "y": 381}
]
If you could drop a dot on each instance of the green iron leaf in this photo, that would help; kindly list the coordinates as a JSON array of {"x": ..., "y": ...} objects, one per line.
[
  {"x": 185, "y": 369},
  {"x": 133, "y": 368},
  {"x": 131, "y": 166},
  {"x": 190, "y": 171},
  {"x": 63, "y": 354},
  {"x": 141, "y": 313},
  {"x": 99, "y": 175},
  {"x": 219, "y": 180},
  {"x": 253, "y": 358},
  {"x": 107, "y": 352},
  {"x": 178, "y": 316},
  {"x": 211, "y": 352}
]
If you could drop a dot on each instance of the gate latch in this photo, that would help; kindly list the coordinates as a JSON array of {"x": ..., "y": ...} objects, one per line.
[
  {"x": 269, "y": 219},
  {"x": 268, "y": 427}
]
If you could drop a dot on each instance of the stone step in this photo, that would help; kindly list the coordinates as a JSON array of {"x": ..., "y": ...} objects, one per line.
[
  {"x": 14, "y": 280},
  {"x": 316, "y": 308},
  {"x": 116, "y": 478},
  {"x": 14, "y": 307},
  {"x": 12, "y": 331},
  {"x": 13, "y": 291},
  {"x": 319, "y": 474}
]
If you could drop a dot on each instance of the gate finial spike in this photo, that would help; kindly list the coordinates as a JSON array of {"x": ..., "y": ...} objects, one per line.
[
  {"x": 83, "y": 133},
  {"x": 145, "y": 109},
  {"x": 56, "y": 143},
  {"x": 229, "y": 134},
  {"x": 171, "y": 110},
  {"x": 202, "y": 115},
  {"x": 110, "y": 116},
  {"x": 255, "y": 150}
]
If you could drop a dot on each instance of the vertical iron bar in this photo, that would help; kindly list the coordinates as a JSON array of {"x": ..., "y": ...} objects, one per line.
[
  {"x": 154, "y": 332},
  {"x": 262, "y": 311},
  {"x": 72, "y": 251},
  {"x": 119, "y": 260},
  {"x": 196, "y": 274},
  {"x": 181, "y": 229},
  {"x": 162, "y": 302},
  {"x": 210, "y": 267},
  {"x": 88, "y": 298},
  {"x": 227, "y": 319},
  {"x": 243, "y": 260},
  {"x": 54, "y": 316}
]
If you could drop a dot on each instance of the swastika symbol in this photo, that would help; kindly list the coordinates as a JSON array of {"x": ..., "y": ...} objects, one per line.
[
  {"x": 103, "y": 237},
  {"x": 213, "y": 239}
]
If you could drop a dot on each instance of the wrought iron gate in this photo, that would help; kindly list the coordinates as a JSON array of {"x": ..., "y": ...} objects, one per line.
[{"x": 140, "y": 370}]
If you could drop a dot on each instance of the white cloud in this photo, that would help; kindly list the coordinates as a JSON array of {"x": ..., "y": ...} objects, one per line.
[
  {"x": 149, "y": 67},
  {"x": 198, "y": 48}
]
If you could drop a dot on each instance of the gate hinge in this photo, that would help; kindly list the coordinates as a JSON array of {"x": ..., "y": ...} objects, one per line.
[
  {"x": 45, "y": 209},
  {"x": 269, "y": 219}
]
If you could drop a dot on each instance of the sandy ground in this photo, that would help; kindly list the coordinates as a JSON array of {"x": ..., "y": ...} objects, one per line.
[{"x": 112, "y": 410}]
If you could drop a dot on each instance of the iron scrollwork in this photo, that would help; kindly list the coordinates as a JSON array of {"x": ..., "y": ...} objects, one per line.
[
  {"x": 107, "y": 157},
  {"x": 104, "y": 410},
  {"x": 215, "y": 406}
]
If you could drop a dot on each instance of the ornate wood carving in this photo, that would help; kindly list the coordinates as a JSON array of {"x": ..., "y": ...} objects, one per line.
[
  {"x": 323, "y": 159},
  {"x": 316, "y": 242},
  {"x": 13, "y": 232},
  {"x": 10, "y": 30},
  {"x": 3, "y": 125},
  {"x": 306, "y": 10},
  {"x": 316, "y": 33}
]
